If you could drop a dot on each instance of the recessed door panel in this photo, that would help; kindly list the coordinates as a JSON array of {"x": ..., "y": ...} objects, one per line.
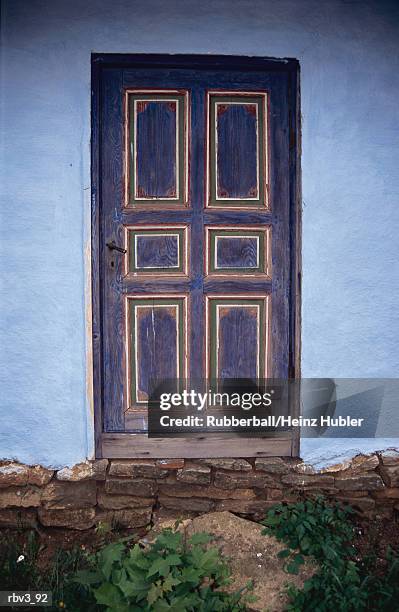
[
  {"x": 157, "y": 250},
  {"x": 157, "y": 344},
  {"x": 157, "y": 148},
  {"x": 237, "y": 150},
  {"x": 237, "y": 335},
  {"x": 238, "y": 250}
]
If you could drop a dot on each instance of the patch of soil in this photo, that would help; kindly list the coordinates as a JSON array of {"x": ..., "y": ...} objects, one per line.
[
  {"x": 372, "y": 539},
  {"x": 251, "y": 556},
  {"x": 50, "y": 540}
]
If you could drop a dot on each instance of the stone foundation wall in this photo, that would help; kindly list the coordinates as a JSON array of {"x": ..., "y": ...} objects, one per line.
[{"x": 129, "y": 493}]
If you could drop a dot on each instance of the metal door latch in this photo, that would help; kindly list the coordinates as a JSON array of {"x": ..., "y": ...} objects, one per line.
[{"x": 114, "y": 247}]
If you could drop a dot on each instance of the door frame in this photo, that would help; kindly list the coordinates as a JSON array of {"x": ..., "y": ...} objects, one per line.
[{"x": 130, "y": 445}]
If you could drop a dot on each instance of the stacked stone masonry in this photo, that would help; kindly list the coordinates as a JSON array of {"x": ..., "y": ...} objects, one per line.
[{"x": 128, "y": 493}]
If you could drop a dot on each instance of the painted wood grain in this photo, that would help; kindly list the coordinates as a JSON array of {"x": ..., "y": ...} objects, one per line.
[
  {"x": 237, "y": 149},
  {"x": 95, "y": 258},
  {"x": 157, "y": 251},
  {"x": 236, "y": 253},
  {"x": 237, "y": 172},
  {"x": 238, "y": 351},
  {"x": 238, "y": 337},
  {"x": 140, "y": 446},
  {"x": 155, "y": 344},
  {"x": 111, "y": 262},
  {"x": 156, "y": 149},
  {"x": 238, "y": 250}
]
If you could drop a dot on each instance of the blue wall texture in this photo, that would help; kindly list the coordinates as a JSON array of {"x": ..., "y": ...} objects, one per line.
[{"x": 348, "y": 50}]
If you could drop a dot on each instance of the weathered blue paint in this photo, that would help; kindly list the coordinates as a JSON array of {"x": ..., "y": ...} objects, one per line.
[
  {"x": 157, "y": 251},
  {"x": 238, "y": 252},
  {"x": 350, "y": 77},
  {"x": 238, "y": 351},
  {"x": 236, "y": 151},
  {"x": 237, "y": 156},
  {"x": 156, "y": 347},
  {"x": 156, "y": 150}
]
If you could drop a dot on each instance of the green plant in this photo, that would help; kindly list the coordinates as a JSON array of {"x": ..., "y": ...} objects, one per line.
[
  {"x": 323, "y": 531},
  {"x": 58, "y": 579},
  {"x": 314, "y": 527},
  {"x": 18, "y": 563},
  {"x": 169, "y": 575},
  {"x": 383, "y": 591},
  {"x": 103, "y": 528}
]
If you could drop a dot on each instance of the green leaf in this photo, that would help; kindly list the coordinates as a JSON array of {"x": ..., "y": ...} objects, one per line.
[
  {"x": 209, "y": 559},
  {"x": 169, "y": 540},
  {"x": 108, "y": 556},
  {"x": 199, "y": 538},
  {"x": 154, "y": 593},
  {"x": 162, "y": 606},
  {"x": 305, "y": 544},
  {"x": 329, "y": 552},
  {"x": 292, "y": 568},
  {"x": 283, "y": 554},
  {"x": 298, "y": 559},
  {"x": 86, "y": 577},
  {"x": 133, "y": 586},
  {"x": 162, "y": 566},
  {"x": 135, "y": 572},
  {"x": 191, "y": 575},
  {"x": 137, "y": 558},
  {"x": 169, "y": 583},
  {"x": 108, "y": 595},
  {"x": 271, "y": 520}
]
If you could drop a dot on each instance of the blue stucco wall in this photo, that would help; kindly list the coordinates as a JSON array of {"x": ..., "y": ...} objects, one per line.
[{"x": 348, "y": 51}]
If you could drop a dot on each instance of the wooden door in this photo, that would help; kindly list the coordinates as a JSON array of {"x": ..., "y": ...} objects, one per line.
[{"x": 195, "y": 230}]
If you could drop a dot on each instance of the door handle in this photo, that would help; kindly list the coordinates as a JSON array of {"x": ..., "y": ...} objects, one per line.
[{"x": 114, "y": 247}]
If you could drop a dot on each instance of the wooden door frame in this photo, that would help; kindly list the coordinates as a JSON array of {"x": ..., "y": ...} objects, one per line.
[{"x": 126, "y": 445}]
